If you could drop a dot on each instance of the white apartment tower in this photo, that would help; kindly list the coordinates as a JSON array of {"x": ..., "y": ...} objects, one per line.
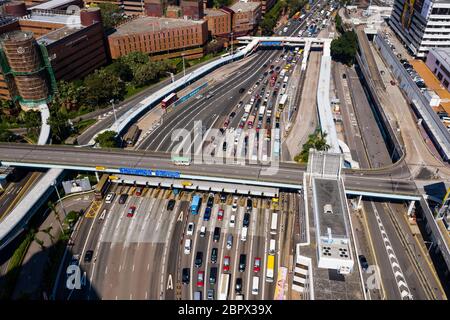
[{"x": 422, "y": 24}]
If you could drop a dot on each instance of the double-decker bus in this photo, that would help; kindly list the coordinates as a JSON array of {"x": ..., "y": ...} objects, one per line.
[
  {"x": 101, "y": 187},
  {"x": 167, "y": 101}
]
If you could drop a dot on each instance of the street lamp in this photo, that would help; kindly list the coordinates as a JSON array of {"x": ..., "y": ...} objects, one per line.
[
  {"x": 54, "y": 184},
  {"x": 231, "y": 45},
  {"x": 114, "y": 110}
]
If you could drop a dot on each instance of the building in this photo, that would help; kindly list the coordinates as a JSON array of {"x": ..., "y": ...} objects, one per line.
[
  {"x": 153, "y": 8},
  {"x": 173, "y": 12},
  {"x": 192, "y": 9},
  {"x": 219, "y": 21},
  {"x": 266, "y": 5},
  {"x": 422, "y": 24},
  {"x": 438, "y": 61},
  {"x": 160, "y": 37},
  {"x": 246, "y": 17},
  {"x": 74, "y": 45}
]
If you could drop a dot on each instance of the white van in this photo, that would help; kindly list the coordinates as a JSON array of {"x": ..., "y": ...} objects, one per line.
[
  {"x": 197, "y": 295},
  {"x": 272, "y": 246},
  {"x": 244, "y": 234},
  {"x": 187, "y": 246},
  {"x": 255, "y": 286}
]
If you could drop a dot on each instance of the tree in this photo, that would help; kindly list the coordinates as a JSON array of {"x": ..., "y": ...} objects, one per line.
[
  {"x": 102, "y": 86},
  {"x": 145, "y": 74},
  {"x": 107, "y": 139},
  {"x": 111, "y": 15},
  {"x": 221, "y": 3},
  {"x": 315, "y": 141},
  {"x": 59, "y": 125},
  {"x": 31, "y": 120},
  {"x": 122, "y": 70},
  {"x": 344, "y": 48},
  {"x": 7, "y": 136},
  {"x": 68, "y": 97},
  {"x": 338, "y": 23}
]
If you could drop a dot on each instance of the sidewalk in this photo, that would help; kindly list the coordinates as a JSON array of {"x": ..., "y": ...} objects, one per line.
[{"x": 29, "y": 282}]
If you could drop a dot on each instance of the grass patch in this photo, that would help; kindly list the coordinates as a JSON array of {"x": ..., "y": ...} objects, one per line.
[
  {"x": 83, "y": 124},
  {"x": 14, "y": 266}
]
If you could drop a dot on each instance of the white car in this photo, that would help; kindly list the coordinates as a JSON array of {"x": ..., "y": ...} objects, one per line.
[
  {"x": 190, "y": 229},
  {"x": 109, "y": 197},
  {"x": 232, "y": 221},
  {"x": 202, "y": 231},
  {"x": 187, "y": 246},
  {"x": 234, "y": 206}
]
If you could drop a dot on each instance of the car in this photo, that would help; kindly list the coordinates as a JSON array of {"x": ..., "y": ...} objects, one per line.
[
  {"x": 226, "y": 123},
  {"x": 249, "y": 204},
  {"x": 186, "y": 275},
  {"x": 109, "y": 198},
  {"x": 210, "y": 295},
  {"x": 241, "y": 90},
  {"x": 198, "y": 259},
  {"x": 187, "y": 246},
  {"x": 223, "y": 197},
  {"x": 214, "y": 253},
  {"x": 213, "y": 275},
  {"x": 242, "y": 262},
  {"x": 216, "y": 235},
  {"x": 232, "y": 221},
  {"x": 138, "y": 192},
  {"x": 235, "y": 205},
  {"x": 246, "y": 220},
  {"x": 220, "y": 215},
  {"x": 232, "y": 115},
  {"x": 226, "y": 263},
  {"x": 363, "y": 262},
  {"x": 207, "y": 214},
  {"x": 131, "y": 211},
  {"x": 123, "y": 198},
  {"x": 171, "y": 205},
  {"x": 75, "y": 259},
  {"x": 210, "y": 201},
  {"x": 88, "y": 256},
  {"x": 224, "y": 146},
  {"x": 202, "y": 231},
  {"x": 200, "y": 278},
  {"x": 229, "y": 241},
  {"x": 238, "y": 287},
  {"x": 257, "y": 265},
  {"x": 190, "y": 229}
]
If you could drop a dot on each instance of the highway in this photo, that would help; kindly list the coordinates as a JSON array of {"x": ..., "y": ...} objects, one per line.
[{"x": 391, "y": 179}]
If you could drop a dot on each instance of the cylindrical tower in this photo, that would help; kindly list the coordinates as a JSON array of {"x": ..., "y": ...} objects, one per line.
[
  {"x": 16, "y": 9},
  {"x": 20, "y": 49},
  {"x": 89, "y": 16}
]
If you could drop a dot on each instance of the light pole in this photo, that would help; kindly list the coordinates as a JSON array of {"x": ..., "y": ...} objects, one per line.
[
  {"x": 54, "y": 184},
  {"x": 171, "y": 76},
  {"x": 231, "y": 44},
  {"x": 114, "y": 110}
]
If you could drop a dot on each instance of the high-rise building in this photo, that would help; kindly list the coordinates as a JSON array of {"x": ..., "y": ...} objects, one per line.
[{"x": 422, "y": 24}]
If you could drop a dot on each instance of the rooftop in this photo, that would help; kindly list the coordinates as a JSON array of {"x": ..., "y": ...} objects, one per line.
[
  {"x": 53, "y": 17},
  {"x": 58, "y": 34},
  {"x": 244, "y": 6},
  {"x": 214, "y": 12},
  {"x": 52, "y": 4},
  {"x": 152, "y": 24}
]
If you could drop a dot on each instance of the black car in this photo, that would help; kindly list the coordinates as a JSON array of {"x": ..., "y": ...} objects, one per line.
[
  {"x": 210, "y": 201},
  {"x": 238, "y": 287},
  {"x": 88, "y": 256},
  {"x": 246, "y": 221},
  {"x": 216, "y": 235},
  {"x": 232, "y": 115},
  {"x": 249, "y": 204},
  {"x": 213, "y": 275},
  {"x": 171, "y": 204},
  {"x": 123, "y": 198},
  {"x": 224, "y": 146},
  {"x": 241, "y": 90},
  {"x": 363, "y": 262},
  {"x": 214, "y": 255},
  {"x": 268, "y": 120},
  {"x": 242, "y": 262},
  {"x": 207, "y": 214},
  {"x": 266, "y": 73},
  {"x": 186, "y": 276},
  {"x": 277, "y": 68},
  {"x": 199, "y": 259},
  {"x": 223, "y": 197}
]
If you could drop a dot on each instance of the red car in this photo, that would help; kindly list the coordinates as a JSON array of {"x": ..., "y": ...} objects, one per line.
[
  {"x": 220, "y": 215},
  {"x": 138, "y": 191},
  {"x": 200, "y": 278},
  {"x": 131, "y": 211},
  {"x": 226, "y": 263},
  {"x": 226, "y": 123},
  {"x": 257, "y": 265}
]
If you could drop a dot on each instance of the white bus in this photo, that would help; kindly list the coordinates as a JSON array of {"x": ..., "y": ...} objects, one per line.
[
  {"x": 274, "y": 224},
  {"x": 282, "y": 102},
  {"x": 244, "y": 234},
  {"x": 223, "y": 286}
]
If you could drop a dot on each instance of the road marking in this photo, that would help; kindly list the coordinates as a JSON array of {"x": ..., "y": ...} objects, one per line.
[
  {"x": 180, "y": 216},
  {"x": 169, "y": 283}
]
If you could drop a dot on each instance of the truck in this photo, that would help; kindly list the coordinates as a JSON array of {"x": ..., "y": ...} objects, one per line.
[
  {"x": 270, "y": 267},
  {"x": 195, "y": 204},
  {"x": 247, "y": 108},
  {"x": 262, "y": 109},
  {"x": 223, "y": 286}
]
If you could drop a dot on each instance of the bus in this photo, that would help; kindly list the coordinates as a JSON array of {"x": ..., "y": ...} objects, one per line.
[
  {"x": 132, "y": 135},
  {"x": 101, "y": 187},
  {"x": 195, "y": 204},
  {"x": 181, "y": 161},
  {"x": 167, "y": 101},
  {"x": 274, "y": 224},
  {"x": 270, "y": 267},
  {"x": 282, "y": 102},
  {"x": 223, "y": 286}
]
